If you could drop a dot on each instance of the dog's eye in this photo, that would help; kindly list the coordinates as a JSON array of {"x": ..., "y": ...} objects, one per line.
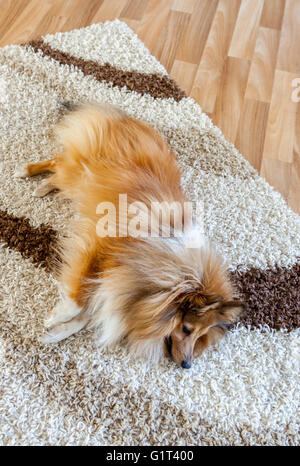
[{"x": 186, "y": 330}]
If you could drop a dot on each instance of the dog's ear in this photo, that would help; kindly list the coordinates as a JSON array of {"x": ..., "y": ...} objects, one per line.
[{"x": 230, "y": 311}]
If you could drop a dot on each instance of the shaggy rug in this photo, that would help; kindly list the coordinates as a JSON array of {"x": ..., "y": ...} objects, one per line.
[{"x": 242, "y": 392}]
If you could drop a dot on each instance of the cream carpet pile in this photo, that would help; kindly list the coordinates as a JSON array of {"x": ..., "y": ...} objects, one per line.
[{"x": 244, "y": 391}]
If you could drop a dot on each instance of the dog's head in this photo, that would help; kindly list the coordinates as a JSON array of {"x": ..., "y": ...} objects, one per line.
[
  {"x": 180, "y": 294},
  {"x": 198, "y": 315}
]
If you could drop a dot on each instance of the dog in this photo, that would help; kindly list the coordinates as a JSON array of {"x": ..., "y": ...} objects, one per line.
[{"x": 158, "y": 294}]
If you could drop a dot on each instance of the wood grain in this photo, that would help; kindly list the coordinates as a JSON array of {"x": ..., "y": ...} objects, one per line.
[
  {"x": 231, "y": 96},
  {"x": 152, "y": 23},
  {"x": 10, "y": 12},
  {"x": 281, "y": 125},
  {"x": 251, "y": 131},
  {"x": 260, "y": 82},
  {"x": 196, "y": 33},
  {"x": 21, "y": 27},
  {"x": 207, "y": 79},
  {"x": 246, "y": 28},
  {"x": 134, "y": 9},
  {"x": 171, "y": 36},
  {"x": 184, "y": 73},
  {"x": 236, "y": 58},
  {"x": 108, "y": 10},
  {"x": 186, "y": 6},
  {"x": 272, "y": 14},
  {"x": 86, "y": 16},
  {"x": 278, "y": 174},
  {"x": 52, "y": 24},
  {"x": 288, "y": 54}
]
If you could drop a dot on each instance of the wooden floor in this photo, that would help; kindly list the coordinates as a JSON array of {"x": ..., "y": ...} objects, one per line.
[{"x": 240, "y": 59}]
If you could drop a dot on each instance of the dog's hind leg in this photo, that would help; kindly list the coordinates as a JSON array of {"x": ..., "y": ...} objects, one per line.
[
  {"x": 44, "y": 188},
  {"x": 32, "y": 169}
]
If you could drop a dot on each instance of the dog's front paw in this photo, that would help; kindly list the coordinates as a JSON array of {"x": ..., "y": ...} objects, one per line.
[
  {"x": 60, "y": 332},
  {"x": 64, "y": 330},
  {"x": 52, "y": 319},
  {"x": 52, "y": 336},
  {"x": 64, "y": 311}
]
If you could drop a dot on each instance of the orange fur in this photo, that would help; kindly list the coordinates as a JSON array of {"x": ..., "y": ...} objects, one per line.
[{"x": 141, "y": 289}]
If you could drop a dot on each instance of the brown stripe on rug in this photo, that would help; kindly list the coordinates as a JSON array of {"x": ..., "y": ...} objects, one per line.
[
  {"x": 158, "y": 86},
  {"x": 35, "y": 243},
  {"x": 271, "y": 296}
]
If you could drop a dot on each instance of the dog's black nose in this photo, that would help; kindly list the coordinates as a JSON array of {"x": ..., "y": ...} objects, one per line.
[{"x": 186, "y": 364}]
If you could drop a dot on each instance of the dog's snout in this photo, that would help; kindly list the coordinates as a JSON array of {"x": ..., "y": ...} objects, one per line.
[{"x": 186, "y": 364}]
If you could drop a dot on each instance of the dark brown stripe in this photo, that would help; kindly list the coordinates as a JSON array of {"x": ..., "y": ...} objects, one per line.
[
  {"x": 271, "y": 296},
  {"x": 158, "y": 86},
  {"x": 34, "y": 243}
]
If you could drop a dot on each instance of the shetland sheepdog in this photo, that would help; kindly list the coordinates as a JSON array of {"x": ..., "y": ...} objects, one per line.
[{"x": 155, "y": 292}]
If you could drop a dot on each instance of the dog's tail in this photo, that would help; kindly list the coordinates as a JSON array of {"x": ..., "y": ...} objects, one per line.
[{"x": 81, "y": 130}]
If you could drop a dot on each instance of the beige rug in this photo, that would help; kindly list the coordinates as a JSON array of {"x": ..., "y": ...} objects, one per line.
[{"x": 243, "y": 392}]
